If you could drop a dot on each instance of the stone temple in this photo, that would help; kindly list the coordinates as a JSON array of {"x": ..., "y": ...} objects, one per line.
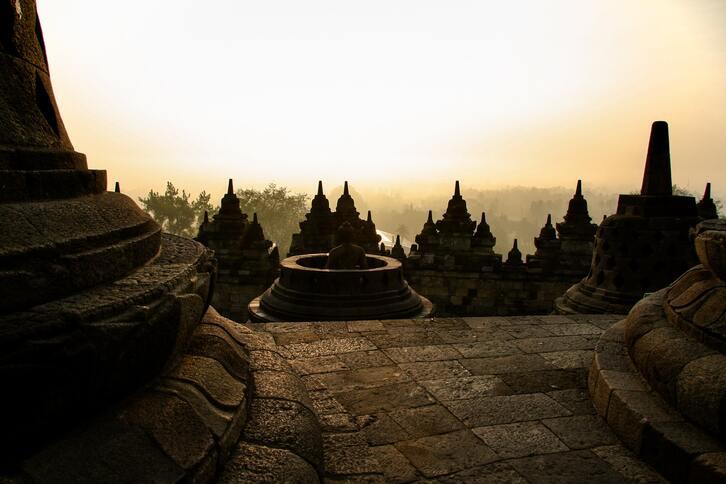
[
  {"x": 116, "y": 368},
  {"x": 317, "y": 231},
  {"x": 455, "y": 266},
  {"x": 645, "y": 245},
  {"x": 247, "y": 262}
]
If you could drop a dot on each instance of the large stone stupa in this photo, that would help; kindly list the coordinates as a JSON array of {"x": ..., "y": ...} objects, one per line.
[{"x": 641, "y": 248}]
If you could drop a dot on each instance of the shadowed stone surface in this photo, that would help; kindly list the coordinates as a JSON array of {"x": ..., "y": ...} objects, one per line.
[
  {"x": 575, "y": 466},
  {"x": 71, "y": 356},
  {"x": 433, "y": 412},
  {"x": 257, "y": 463},
  {"x": 446, "y": 453},
  {"x": 284, "y": 424},
  {"x": 520, "y": 439},
  {"x": 643, "y": 420}
]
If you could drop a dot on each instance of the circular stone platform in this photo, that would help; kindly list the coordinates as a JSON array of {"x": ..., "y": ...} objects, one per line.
[
  {"x": 306, "y": 291},
  {"x": 66, "y": 359},
  {"x": 659, "y": 376}
]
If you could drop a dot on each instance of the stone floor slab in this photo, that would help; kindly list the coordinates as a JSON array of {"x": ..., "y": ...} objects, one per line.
[
  {"x": 466, "y": 387},
  {"x": 363, "y": 378},
  {"x": 331, "y": 346},
  {"x": 402, "y": 339},
  {"x": 556, "y": 343},
  {"x": 434, "y": 370},
  {"x": 384, "y": 398},
  {"x": 520, "y": 331},
  {"x": 544, "y": 380},
  {"x": 365, "y": 326},
  {"x": 581, "y": 431},
  {"x": 411, "y": 354},
  {"x": 444, "y": 454},
  {"x": 575, "y": 467},
  {"x": 320, "y": 364},
  {"x": 365, "y": 359},
  {"x": 505, "y": 364},
  {"x": 627, "y": 464},
  {"x": 569, "y": 359},
  {"x": 576, "y": 400},
  {"x": 485, "y": 349},
  {"x": 481, "y": 412},
  {"x": 572, "y": 329},
  {"x": 428, "y": 420},
  {"x": 520, "y": 439},
  {"x": 382, "y": 429},
  {"x": 395, "y": 466},
  {"x": 497, "y": 473}
]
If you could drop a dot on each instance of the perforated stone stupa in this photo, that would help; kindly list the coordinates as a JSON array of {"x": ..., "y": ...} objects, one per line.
[
  {"x": 317, "y": 231},
  {"x": 247, "y": 262},
  {"x": 454, "y": 264},
  {"x": 645, "y": 245}
]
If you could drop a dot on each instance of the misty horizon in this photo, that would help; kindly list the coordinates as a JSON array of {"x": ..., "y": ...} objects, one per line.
[{"x": 403, "y": 98}]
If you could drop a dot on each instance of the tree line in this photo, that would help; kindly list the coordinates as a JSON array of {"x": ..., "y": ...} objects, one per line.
[{"x": 278, "y": 209}]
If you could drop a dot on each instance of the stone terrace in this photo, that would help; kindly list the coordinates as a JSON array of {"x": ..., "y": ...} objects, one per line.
[{"x": 486, "y": 399}]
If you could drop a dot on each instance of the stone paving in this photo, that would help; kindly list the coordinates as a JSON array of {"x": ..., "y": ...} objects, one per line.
[{"x": 486, "y": 399}]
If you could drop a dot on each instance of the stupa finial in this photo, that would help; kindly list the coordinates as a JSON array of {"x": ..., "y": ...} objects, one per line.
[{"x": 657, "y": 176}]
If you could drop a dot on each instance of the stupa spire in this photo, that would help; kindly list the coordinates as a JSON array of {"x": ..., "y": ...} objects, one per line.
[
  {"x": 456, "y": 219},
  {"x": 117, "y": 188},
  {"x": 515, "y": 256},
  {"x": 230, "y": 188},
  {"x": 547, "y": 244},
  {"x": 657, "y": 176},
  {"x": 320, "y": 187},
  {"x": 397, "y": 251},
  {"x": 706, "y": 206}
]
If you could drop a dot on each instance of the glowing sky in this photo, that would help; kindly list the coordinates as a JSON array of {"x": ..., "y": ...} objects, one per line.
[{"x": 381, "y": 93}]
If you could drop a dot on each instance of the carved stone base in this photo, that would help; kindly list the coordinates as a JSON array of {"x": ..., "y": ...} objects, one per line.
[{"x": 65, "y": 359}]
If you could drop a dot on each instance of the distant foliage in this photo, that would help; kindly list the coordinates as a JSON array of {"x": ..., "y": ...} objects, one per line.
[
  {"x": 176, "y": 212},
  {"x": 680, "y": 191},
  {"x": 278, "y": 210}
]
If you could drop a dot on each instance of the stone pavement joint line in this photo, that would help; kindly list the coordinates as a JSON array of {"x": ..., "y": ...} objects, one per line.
[{"x": 458, "y": 399}]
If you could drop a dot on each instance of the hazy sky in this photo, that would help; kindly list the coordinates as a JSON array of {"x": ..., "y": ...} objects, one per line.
[{"x": 381, "y": 93}]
